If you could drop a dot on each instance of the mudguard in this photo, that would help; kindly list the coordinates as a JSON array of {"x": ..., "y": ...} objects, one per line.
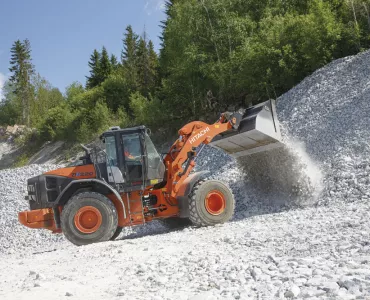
[
  {"x": 75, "y": 185},
  {"x": 185, "y": 190}
]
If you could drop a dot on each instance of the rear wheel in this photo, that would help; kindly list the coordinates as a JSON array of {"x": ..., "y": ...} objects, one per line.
[
  {"x": 88, "y": 218},
  {"x": 211, "y": 202}
]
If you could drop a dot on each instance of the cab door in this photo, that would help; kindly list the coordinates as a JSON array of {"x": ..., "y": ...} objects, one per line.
[{"x": 132, "y": 154}]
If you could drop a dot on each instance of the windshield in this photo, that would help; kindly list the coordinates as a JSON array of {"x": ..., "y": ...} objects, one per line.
[
  {"x": 155, "y": 165},
  {"x": 132, "y": 147}
]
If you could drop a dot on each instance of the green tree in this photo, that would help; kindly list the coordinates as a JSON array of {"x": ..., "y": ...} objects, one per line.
[
  {"x": 114, "y": 62},
  {"x": 145, "y": 112},
  {"x": 105, "y": 65},
  {"x": 117, "y": 92},
  {"x": 22, "y": 71},
  {"x": 129, "y": 56},
  {"x": 10, "y": 112},
  {"x": 94, "y": 64},
  {"x": 46, "y": 97},
  {"x": 57, "y": 124},
  {"x": 153, "y": 81},
  {"x": 216, "y": 53},
  {"x": 74, "y": 90},
  {"x": 143, "y": 67}
]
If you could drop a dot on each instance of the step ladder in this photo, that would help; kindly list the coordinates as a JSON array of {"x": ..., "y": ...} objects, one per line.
[{"x": 133, "y": 215}]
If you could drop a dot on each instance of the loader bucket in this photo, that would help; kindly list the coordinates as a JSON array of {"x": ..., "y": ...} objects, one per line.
[{"x": 258, "y": 131}]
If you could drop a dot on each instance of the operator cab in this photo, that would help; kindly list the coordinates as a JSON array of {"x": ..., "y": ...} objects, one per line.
[{"x": 133, "y": 162}]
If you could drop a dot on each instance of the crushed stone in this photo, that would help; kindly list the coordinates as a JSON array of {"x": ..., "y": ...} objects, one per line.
[{"x": 301, "y": 225}]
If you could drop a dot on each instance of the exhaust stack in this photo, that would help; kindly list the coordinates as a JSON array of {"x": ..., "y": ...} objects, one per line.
[{"x": 258, "y": 131}]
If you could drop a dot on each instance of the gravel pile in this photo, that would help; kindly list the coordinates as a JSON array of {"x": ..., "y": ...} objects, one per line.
[
  {"x": 330, "y": 113},
  {"x": 15, "y": 238},
  {"x": 273, "y": 249}
]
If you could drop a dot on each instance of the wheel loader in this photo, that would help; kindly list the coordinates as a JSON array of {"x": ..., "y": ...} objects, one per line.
[{"x": 133, "y": 184}]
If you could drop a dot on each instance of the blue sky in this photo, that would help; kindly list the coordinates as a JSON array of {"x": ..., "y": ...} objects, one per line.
[{"x": 63, "y": 34}]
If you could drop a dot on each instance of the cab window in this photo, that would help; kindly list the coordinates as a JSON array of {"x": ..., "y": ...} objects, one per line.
[
  {"x": 110, "y": 146},
  {"x": 132, "y": 156},
  {"x": 156, "y": 167}
]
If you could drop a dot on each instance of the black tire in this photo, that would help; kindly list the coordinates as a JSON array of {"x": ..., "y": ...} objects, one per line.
[
  {"x": 109, "y": 218},
  {"x": 174, "y": 222},
  {"x": 116, "y": 233},
  {"x": 199, "y": 215}
]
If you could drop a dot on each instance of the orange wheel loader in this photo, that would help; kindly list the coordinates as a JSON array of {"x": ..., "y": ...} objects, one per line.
[{"x": 132, "y": 185}]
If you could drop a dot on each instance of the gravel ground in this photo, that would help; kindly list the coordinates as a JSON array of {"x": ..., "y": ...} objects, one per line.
[
  {"x": 300, "y": 230},
  {"x": 314, "y": 253}
]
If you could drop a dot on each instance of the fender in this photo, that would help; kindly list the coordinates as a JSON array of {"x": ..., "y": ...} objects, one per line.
[
  {"x": 100, "y": 183},
  {"x": 184, "y": 191}
]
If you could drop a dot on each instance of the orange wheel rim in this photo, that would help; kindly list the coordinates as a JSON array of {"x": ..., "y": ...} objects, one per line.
[
  {"x": 215, "y": 203},
  {"x": 88, "y": 219}
]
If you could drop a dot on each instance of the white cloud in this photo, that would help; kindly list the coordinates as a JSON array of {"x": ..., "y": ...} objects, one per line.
[
  {"x": 160, "y": 5},
  {"x": 152, "y": 6},
  {"x": 2, "y": 81}
]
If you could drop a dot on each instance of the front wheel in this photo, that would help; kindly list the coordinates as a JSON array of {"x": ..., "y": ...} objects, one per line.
[
  {"x": 211, "y": 202},
  {"x": 88, "y": 218}
]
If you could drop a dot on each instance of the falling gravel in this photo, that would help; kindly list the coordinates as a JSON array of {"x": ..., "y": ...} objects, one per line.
[{"x": 300, "y": 230}]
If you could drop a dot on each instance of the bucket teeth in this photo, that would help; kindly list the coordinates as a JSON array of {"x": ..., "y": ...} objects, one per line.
[{"x": 257, "y": 131}]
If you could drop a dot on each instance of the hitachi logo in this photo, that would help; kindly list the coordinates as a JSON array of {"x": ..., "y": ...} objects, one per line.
[{"x": 199, "y": 135}]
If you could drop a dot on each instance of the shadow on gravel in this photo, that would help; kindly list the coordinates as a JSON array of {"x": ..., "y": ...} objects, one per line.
[
  {"x": 149, "y": 229},
  {"x": 7, "y": 160},
  {"x": 42, "y": 252}
]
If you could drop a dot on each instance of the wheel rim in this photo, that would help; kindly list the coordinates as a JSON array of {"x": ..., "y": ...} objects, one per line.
[
  {"x": 215, "y": 203},
  {"x": 88, "y": 219}
]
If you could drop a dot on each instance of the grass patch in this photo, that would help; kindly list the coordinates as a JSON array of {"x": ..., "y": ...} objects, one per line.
[{"x": 21, "y": 160}]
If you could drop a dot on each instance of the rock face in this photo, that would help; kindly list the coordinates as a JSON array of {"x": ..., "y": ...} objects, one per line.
[
  {"x": 16, "y": 129},
  {"x": 300, "y": 230}
]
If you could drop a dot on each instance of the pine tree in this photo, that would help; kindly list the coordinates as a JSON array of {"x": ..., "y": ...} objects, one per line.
[
  {"x": 22, "y": 69},
  {"x": 94, "y": 64},
  {"x": 114, "y": 62},
  {"x": 153, "y": 67},
  {"x": 129, "y": 55},
  {"x": 105, "y": 65},
  {"x": 143, "y": 66},
  {"x": 165, "y": 37},
  {"x": 168, "y": 5}
]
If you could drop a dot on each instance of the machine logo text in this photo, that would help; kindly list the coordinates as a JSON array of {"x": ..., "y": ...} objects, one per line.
[
  {"x": 199, "y": 135},
  {"x": 82, "y": 174}
]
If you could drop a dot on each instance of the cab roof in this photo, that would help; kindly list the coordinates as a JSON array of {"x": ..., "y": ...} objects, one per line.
[{"x": 117, "y": 129}]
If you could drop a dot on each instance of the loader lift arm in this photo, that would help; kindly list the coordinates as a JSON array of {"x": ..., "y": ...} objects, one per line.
[{"x": 191, "y": 136}]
